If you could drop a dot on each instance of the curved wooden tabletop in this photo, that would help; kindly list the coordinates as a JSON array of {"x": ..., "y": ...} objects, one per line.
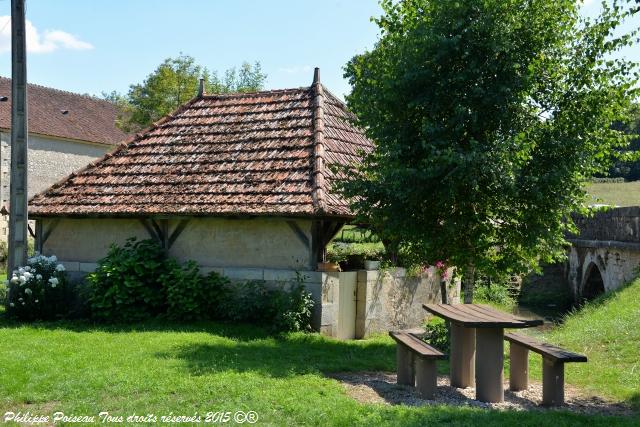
[{"x": 479, "y": 316}]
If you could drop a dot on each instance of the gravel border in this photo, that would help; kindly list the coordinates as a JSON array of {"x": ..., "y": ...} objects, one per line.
[{"x": 381, "y": 387}]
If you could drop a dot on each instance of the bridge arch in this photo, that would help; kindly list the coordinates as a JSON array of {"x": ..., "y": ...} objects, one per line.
[{"x": 593, "y": 284}]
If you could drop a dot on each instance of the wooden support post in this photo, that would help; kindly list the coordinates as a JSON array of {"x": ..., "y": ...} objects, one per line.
[
  {"x": 518, "y": 367},
  {"x": 462, "y": 358},
  {"x": 39, "y": 243},
  {"x": 489, "y": 364},
  {"x": 426, "y": 377},
  {"x": 552, "y": 382},
  {"x": 404, "y": 359}
]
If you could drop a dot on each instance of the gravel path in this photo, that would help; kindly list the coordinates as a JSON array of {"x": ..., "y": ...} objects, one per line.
[{"x": 380, "y": 387}]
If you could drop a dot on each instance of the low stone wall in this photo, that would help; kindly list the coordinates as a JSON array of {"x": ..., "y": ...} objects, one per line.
[{"x": 391, "y": 300}]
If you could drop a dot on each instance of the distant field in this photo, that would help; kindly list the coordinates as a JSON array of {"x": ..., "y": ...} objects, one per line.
[{"x": 619, "y": 193}]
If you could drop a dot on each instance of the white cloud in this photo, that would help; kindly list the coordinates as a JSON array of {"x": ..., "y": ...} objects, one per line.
[
  {"x": 296, "y": 69},
  {"x": 40, "y": 42}
]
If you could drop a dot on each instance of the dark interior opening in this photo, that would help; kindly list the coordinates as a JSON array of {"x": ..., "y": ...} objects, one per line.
[{"x": 594, "y": 285}]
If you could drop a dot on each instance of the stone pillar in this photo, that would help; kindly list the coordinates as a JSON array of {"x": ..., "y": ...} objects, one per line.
[{"x": 404, "y": 359}]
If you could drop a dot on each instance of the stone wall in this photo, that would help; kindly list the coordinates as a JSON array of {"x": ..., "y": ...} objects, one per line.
[
  {"x": 616, "y": 224},
  {"x": 391, "y": 300},
  {"x": 50, "y": 160}
]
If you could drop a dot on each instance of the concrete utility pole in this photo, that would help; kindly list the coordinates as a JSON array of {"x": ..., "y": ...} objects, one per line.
[{"x": 18, "y": 220}]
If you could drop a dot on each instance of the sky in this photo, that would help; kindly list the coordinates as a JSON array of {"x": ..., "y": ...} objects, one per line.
[
  {"x": 91, "y": 46},
  {"x": 95, "y": 46}
]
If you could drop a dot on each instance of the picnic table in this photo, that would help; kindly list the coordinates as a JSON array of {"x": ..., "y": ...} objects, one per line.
[{"x": 477, "y": 348}]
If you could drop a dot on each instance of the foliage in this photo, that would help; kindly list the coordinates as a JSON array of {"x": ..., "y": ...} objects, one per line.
[
  {"x": 488, "y": 118},
  {"x": 138, "y": 281},
  {"x": 127, "y": 285},
  {"x": 37, "y": 291},
  {"x": 497, "y": 294},
  {"x": 175, "y": 82},
  {"x": 190, "y": 295},
  {"x": 292, "y": 309},
  {"x": 355, "y": 253},
  {"x": 629, "y": 169},
  {"x": 355, "y": 234},
  {"x": 282, "y": 310},
  {"x": 437, "y": 334},
  {"x": 3, "y": 294}
]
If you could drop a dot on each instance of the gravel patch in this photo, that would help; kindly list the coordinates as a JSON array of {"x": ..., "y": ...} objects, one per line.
[{"x": 381, "y": 387}]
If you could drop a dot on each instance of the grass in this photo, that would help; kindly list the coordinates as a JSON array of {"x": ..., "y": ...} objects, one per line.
[
  {"x": 608, "y": 332},
  {"x": 161, "y": 368},
  {"x": 617, "y": 194}
]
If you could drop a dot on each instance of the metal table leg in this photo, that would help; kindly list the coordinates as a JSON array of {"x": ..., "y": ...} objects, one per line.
[
  {"x": 462, "y": 357},
  {"x": 489, "y": 364}
]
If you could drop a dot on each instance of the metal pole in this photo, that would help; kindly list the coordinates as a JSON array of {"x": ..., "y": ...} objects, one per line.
[{"x": 18, "y": 220}]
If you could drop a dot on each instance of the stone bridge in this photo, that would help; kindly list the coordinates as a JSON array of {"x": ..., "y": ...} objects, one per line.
[{"x": 606, "y": 253}]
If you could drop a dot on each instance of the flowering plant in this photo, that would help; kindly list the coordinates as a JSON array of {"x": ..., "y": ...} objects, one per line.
[{"x": 36, "y": 290}]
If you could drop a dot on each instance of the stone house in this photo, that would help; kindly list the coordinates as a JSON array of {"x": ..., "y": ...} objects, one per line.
[
  {"x": 243, "y": 185},
  {"x": 66, "y": 132}
]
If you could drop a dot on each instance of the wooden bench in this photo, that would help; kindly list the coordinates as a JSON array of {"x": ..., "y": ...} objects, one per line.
[
  {"x": 553, "y": 360},
  {"x": 416, "y": 362}
]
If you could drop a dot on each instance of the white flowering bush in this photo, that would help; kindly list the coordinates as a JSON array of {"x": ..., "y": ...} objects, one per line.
[{"x": 37, "y": 290}]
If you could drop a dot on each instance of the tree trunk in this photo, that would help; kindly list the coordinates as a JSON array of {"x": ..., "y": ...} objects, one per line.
[{"x": 469, "y": 283}]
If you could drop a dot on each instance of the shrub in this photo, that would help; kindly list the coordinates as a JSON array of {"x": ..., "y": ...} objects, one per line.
[
  {"x": 127, "y": 285},
  {"x": 499, "y": 294},
  {"x": 37, "y": 291},
  {"x": 191, "y": 296},
  {"x": 291, "y": 310},
  {"x": 3, "y": 294},
  {"x": 280, "y": 309},
  {"x": 437, "y": 334}
]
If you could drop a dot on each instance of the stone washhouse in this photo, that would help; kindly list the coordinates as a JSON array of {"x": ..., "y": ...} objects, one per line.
[{"x": 243, "y": 185}]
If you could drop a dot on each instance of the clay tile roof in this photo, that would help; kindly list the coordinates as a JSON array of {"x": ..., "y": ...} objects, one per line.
[
  {"x": 263, "y": 153},
  {"x": 88, "y": 119}
]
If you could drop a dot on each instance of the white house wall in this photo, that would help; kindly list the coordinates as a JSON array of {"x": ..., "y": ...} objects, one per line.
[{"x": 245, "y": 245}]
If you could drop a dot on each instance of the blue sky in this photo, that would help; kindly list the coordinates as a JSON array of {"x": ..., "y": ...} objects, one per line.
[
  {"x": 98, "y": 45},
  {"x": 90, "y": 46}
]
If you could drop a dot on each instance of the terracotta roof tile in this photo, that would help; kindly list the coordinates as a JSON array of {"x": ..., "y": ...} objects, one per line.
[
  {"x": 88, "y": 119},
  {"x": 242, "y": 154}
]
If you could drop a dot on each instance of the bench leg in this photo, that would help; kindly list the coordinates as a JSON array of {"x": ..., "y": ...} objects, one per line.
[
  {"x": 404, "y": 359},
  {"x": 426, "y": 377},
  {"x": 489, "y": 364},
  {"x": 518, "y": 367},
  {"x": 462, "y": 357},
  {"x": 552, "y": 382}
]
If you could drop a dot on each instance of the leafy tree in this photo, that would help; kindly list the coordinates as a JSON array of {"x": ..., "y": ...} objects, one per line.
[
  {"x": 624, "y": 168},
  {"x": 488, "y": 118},
  {"x": 173, "y": 83}
]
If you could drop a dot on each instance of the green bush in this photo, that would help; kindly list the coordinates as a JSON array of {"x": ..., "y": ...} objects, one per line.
[
  {"x": 3, "y": 294},
  {"x": 291, "y": 310},
  {"x": 38, "y": 290},
  {"x": 437, "y": 334},
  {"x": 127, "y": 285},
  {"x": 137, "y": 281},
  {"x": 499, "y": 294},
  {"x": 191, "y": 296}
]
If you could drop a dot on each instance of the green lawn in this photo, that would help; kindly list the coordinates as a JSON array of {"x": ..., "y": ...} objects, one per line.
[
  {"x": 608, "y": 332},
  {"x": 618, "y": 194},
  {"x": 161, "y": 368}
]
